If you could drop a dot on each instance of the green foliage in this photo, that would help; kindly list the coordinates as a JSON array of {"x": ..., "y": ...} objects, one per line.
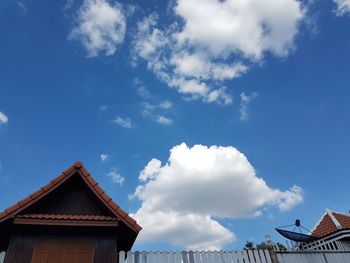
[
  {"x": 248, "y": 245},
  {"x": 263, "y": 245}
]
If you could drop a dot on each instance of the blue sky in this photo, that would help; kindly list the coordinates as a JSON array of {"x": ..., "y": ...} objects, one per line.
[{"x": 256, "y": 90}]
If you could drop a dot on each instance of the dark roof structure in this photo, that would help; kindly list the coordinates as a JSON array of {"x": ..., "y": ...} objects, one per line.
[{"x": 76, "y": 169}]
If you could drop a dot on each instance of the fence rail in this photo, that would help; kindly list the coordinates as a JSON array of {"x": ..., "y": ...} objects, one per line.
[
  {"x": 244, "y": 256},
  {"x": 241, "y": 256}
]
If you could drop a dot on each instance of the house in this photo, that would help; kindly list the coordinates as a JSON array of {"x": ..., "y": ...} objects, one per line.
[
  {"x": 69, "y": 220},
  {"x": 332, "y": 232}
]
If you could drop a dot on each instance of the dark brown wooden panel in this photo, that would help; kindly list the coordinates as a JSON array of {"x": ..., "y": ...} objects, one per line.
[
  {"x": 63, "y": 251},
  {"x": 106, "y": 250},
  {"x": 72, "y": 198},
  {"x": 103, "y": 240},
  {"x": 41, "y": 251},
  {"x": 20, "y": 249},
  {"x": 56, "y": 251}
]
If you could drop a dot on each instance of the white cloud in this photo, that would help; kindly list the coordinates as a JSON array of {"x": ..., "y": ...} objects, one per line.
[
  {"x": 105, "y": 157},
  {"x": 245, "y": 100},
  {"x": 216, "y": 42},
  {"x": 103, "y": 107},
  {"x": 343, "y": 7},
  {"x": 3, "y": 118},
  {"x": 69, "y": 4},
  {"x": 116, "y": 177},
  {"x": 100, "y": 27},
  {"x": 154, "y": 112},
  {"x": 164, "y": 120},
  {"x": 21, "y": 5},
  {"x": 182, "y": 198},
  {"x": 166, "y": 104},
  {"x": 154, "y": 109},
  {"x": 125, "y": 123}
]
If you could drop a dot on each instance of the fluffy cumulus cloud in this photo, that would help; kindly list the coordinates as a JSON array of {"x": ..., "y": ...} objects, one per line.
[
  {"x": 100, "y": 27},
  {"x": 343, "y": 7},
  {"x": 215, "y": 41},
  {"x": 182, "y": 198},
  {"x": 3, "y": 118}
]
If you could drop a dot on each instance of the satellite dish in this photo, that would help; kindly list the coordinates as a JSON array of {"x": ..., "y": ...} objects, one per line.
[{"x": 296, "y": 236}]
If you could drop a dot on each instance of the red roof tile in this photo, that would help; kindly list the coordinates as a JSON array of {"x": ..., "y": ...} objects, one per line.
[
  {"x": 106, "y": 197},
  {"x": 47, "y": 186},
  {"x": 99, "y": 190},
  {"x": 113, "y": 205},
  {"x": 68, "y": 217},
  {"x": 130, "y": 220},
  {"x": 91, "y": 180},
  {"x": 12, "y": 208},
  {"x": 25, "y": 200},
  {"x": 36, "y": 194},
  {"x": 2, "y": 214},
  {"x": 121, "y": 212},
  {"x": 91, "y": 183},
  {"x": 330, "y": 223}
]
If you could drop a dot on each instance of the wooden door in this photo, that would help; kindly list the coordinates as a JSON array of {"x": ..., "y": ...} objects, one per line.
[{"x": 63, "y": 251}]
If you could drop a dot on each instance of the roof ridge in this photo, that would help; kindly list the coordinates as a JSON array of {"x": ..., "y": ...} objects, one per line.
[
  {"x": 339, "y": 213},
  {"x": 335, "y": 221},
  {"x": 53, "y": 184}
]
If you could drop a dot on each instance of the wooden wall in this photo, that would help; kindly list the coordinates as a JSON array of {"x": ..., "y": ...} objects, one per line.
[{"x": 22, "y": 243}]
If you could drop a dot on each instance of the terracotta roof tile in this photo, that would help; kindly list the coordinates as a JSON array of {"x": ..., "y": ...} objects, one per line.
[
  {"x": 69, "y": 171},
  {"x": 12, "y": 208},
  {"x": 78, "y": 164},
  {"x": 121, "y": 212},
  {"x": 137, "y": 228},
  {"x": 3, "y": 213},
  {"x": 91, "y": 180},
  {"x": 24, "y": 201},
  {"x": 130, "y": 220},
  {"x": 36, "y": 194},
  {"x": 344, "y": 220},
  {"x": 113, "y": 205},
  {"x": 99, "y": 189},
  {"x": 106, "y": 197},
  {"x": 58, "y": 178},
  {"x": 84, "y": 171},
  {"x": 47, "y": 186},
  {"x": 325, "y": 227},
  {"x": 68, "y": 217}
]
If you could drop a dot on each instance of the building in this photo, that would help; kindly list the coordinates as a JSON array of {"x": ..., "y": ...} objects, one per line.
[
  {"x": 69, "y": 220},
  {"x": 332, "y": 232}
]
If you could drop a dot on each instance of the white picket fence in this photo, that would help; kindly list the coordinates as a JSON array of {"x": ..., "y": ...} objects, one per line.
[
  {"x": 244, "y": 256},
  {"x": 313, "y": 257}
]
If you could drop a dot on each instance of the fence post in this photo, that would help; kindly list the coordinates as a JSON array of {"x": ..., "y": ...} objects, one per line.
[{"x": 273, "y": 256}]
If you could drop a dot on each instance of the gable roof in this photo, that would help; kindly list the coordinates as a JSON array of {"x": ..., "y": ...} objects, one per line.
[
  {"x": 79, "y": 169},
  {"x": 331, "y": 222}
]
